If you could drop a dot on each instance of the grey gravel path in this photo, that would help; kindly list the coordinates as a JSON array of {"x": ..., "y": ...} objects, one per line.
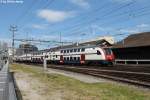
[{"x": 78, "y": 76}]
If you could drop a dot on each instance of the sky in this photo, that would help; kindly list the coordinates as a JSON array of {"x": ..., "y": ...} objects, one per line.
[{"x": 75, "y": 20}]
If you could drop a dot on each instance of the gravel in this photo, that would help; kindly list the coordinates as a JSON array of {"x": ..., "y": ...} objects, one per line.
[{"x": 78, "y": 76}]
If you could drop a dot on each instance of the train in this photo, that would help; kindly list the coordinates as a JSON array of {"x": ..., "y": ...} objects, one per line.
[{"x": 81, "y": 55}]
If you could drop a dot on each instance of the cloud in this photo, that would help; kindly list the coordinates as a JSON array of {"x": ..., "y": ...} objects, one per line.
[
  {"x": 46, "y": 37},
  {"x": 129, "y": 30},
  {"x": 126, "y": 31},
  {"x": 6, "y": 40},
  {"x": 121, "y": 1},
  {"x": 103, "y": 29},
  {"x": 136, "y": 29},
  {"x": 54, "y": 16},
  {"x": 37, "y": 26},
  {"x": 125, "y": 1},
  {"x": 50, "y": 37},
  {"x": 142, "y": 26},
  {"x": 81, "y": 3}
]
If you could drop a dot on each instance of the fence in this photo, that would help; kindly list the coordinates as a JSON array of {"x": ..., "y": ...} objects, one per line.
[
  {"x": 133, "y": 61},
  {"x": 7, "y": 90}
]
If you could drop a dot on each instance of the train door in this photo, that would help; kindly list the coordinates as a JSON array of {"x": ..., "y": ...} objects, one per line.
[
  {"x": 82, "y": 61},
  {"x": 61, "y": 59}
]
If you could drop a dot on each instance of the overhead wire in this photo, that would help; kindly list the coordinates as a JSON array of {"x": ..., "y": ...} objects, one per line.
[
  {"x": 43, "y": 7},
  {"x": 126, "y": 13},
  {"x": 26, "y": 11},
  {"x": 108, "y": 14},
  {"x": 119, "y": 15},
  {"x": 93, "y": 20}
]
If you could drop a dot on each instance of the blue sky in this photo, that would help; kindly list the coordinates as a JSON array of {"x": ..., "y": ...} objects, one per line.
[{"x": 76, "y": 20}]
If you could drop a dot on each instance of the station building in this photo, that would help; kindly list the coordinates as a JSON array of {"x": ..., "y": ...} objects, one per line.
[
  {"x": 25, "y": 48},
  {"x": 135, "y": 49}
]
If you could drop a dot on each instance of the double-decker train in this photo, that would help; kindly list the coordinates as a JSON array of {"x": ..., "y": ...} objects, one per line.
[{"x": 74, "y": 55}]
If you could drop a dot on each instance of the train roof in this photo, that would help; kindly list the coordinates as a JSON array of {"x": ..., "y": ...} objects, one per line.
[
  {"x": 88, "y": 46},
  {"x": 85, "y": 44}
]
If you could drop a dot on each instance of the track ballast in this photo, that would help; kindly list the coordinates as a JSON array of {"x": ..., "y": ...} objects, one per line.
[
  {"x": 128, "y": 76},
  {"x": 139, "y": 76}
]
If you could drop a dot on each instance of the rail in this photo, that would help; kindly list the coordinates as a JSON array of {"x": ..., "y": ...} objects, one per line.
[
  {"x": 133, "y": 61},
  {"x": 7, "y": 90},
  {"x": 135, "y": 78}
]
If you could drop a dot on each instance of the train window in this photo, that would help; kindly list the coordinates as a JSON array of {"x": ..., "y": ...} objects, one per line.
[
  {"x": 67, "y": 51},
  {"x": 98, "y": 52},
  {"x": 75, "y": 50},
  {"x": 83, "y": 49},
  {"x": 78, "y": 58},
  {"x": 75, "y": 58},
  {"x": 70, "y": 58},
  {"x": 64, "y": 51},
  {"x": 45, "y": 56},
  {"x": 107, "y": 51},
  {"x": 78, "y": 50},
  {"x": 64, "y": 58},
  {"x": 71, "y": 51}
]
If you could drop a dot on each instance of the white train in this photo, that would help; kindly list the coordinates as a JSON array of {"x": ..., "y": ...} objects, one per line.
[{"x": 74, "y": 55}]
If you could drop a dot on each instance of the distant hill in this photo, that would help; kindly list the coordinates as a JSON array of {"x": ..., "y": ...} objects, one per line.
[{"x": 134, "y": 40}]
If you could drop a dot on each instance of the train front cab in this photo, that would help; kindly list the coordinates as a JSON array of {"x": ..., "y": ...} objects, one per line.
[{"x": 109, "y": 56}]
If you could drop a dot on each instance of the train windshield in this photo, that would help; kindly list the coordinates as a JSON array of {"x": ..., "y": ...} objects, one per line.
[
  {"x": 108, "y": 51},
  {"x": 98, "y": 52}
]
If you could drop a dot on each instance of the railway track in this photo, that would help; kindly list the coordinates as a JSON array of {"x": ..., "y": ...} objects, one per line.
[
  {"x": 141, "y": 69},
  {"x": 139, "y": 76},
  {"x": 131, "y": 77}
]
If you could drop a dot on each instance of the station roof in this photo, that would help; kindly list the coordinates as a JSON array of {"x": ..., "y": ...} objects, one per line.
[{"x": 134, "y": 40}]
